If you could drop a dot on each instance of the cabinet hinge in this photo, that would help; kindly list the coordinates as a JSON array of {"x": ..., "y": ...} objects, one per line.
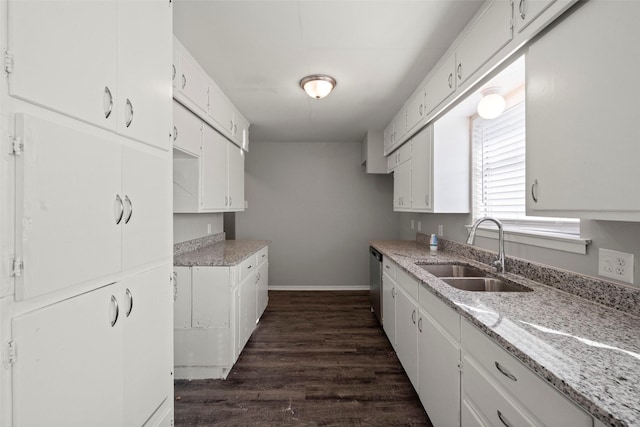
[
  {"x": 16, "y": 267},
  {"x": 8, "y": 62},
  {"x": 17, "y": 146},
  {"x": 11, "y": 352}
]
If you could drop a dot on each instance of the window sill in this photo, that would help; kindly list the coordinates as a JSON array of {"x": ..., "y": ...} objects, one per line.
[{"x": 558, "y": 242}]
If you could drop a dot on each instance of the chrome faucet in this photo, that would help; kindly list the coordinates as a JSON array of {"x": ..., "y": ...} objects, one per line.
[{"x": 499, "y": 263}]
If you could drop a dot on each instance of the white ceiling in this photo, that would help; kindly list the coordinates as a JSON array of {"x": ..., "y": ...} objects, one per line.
[{"x": 378, "y": 51}]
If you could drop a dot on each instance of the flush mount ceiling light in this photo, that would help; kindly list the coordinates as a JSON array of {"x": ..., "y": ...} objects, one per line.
[
  {"x": 492, "y": 103},
  {"x": 318, "y": 86}
]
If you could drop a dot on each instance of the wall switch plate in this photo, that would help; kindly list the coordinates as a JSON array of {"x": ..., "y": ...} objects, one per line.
[
  {"x": 208, "y": 228},
  {"x": 441, "y": 230},
  {"x": 419, "y": 225},
  {"x": 615, "y": 265},
  {"x": 413, "y": 225}
]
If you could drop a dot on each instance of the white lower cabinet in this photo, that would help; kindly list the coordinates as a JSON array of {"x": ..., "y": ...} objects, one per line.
[
  {"x": 389, "y": 301},
  {"x": 406, "y": 334},
  {"x": 107, "y": 351},
  {"x": 215, "y": 312}
]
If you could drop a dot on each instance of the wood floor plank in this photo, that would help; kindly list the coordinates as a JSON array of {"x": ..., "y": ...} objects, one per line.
[{"x": 315, "y": 359}]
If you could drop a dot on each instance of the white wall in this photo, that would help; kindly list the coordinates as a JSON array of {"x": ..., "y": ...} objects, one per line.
[
  {"x": 319, "y": 208},
  {"x": 191, "y": 226},
  {"x": 619, "y": 236}
]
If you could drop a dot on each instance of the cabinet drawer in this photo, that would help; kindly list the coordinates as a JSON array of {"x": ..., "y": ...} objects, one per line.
[
  {"x": 389, "y": 268},
  {"x": 247, "y": 267},
  {"x": 408, "y": 283},
  {"x": 487, "y": 401},
  {"x": 544, "y": 401},
  {"x": 446, "y": 317},
  {"x": 262, "y": 255}
]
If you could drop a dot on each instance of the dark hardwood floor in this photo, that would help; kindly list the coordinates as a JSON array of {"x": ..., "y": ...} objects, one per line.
[{"x": 315, "y": 359}]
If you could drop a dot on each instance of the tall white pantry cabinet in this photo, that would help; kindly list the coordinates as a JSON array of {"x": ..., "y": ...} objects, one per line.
[{"x": 86, "y": 213}]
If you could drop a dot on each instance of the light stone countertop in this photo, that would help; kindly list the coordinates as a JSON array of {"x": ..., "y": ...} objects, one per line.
[
  {"x": 225, "y": 253},
  {"x": 588, "y": 351}
]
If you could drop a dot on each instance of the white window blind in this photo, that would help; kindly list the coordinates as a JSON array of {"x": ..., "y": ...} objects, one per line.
[{"x": 499, "y": 174}]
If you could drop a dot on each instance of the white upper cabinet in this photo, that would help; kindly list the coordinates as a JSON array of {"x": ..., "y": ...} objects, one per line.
[
  {"x": 235, "y": 181},
  {"x": 144, "y": 55},
  {"x": 526, "y": 11},
  {"x": 122, "y": 84},
  {"x": 221, "y": 111},
  {"x": 44, "y": 43},
  {"x": 187, "y": 130},
  {"x": 582, "y": 130},
  {"x": 441, "y": 84},
  {"x": 192, "y": 82},
  {"x": 416, "y": 109},
  {"x": 421, "y": 170},
  {"x": 490, "y": 32}
]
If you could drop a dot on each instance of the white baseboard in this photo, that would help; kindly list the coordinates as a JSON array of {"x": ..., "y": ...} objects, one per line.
[{"x": 319, "y": 288}]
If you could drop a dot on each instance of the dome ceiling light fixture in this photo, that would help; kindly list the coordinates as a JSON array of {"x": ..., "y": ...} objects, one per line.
[
  {"x": 318, "y": 86},
  {"x": 492, "y": 103}
]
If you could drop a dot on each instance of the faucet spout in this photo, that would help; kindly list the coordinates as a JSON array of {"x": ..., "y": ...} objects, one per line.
[{"x": 498, "y": 263}]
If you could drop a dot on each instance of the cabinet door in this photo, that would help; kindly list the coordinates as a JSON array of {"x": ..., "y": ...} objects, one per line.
[
  {"x": 69, "y": 365},
  {"x": 182, "y": 297},
  {"x": 422, "y": 170},
  {"x": 402, "y": 186},
  {"x": 47, "y": 39},
  {"x": 526, "y": 11},
  {"x": 148, "y": 348},
  {"x": 577, "y": 148},
  {"x": 242, "y": 134},
  {"x": 388, "y": 138},
  {"x": 144, "y": 71},
  {"x": 439, "y": 373},
  {"x": 263, "y": 289},
  {"x": 490, "y": 33},
  {"x": 147, "y": 206},
  {"x": 399, "y": 125},
  {"x": 441, "y": 84},
  {"x": 389, "y": 290},
  {"x": 406, "y": 336},
  {"x": 221, "y": 111},
  {"x": 236, "y": 178},
  {"x": 210, "y": 297},
  {"x": 416, "y": 109},
  {"x": 247, "y": 309},
  {"x": 193, "y": 83},
  {"x": 214, "y": 170},
  {"x": 65, "y": 211},
  {"x": 187, "y": 130}
]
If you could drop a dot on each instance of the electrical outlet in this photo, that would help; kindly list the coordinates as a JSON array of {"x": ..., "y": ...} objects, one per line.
[
  {"x": 615, "y": 265},
  {"x": 441, "y": 230},
  {"x": 419, "y": 225},
  {"x": 208, "y": 228},
  {"x": 413, "y": 225}
]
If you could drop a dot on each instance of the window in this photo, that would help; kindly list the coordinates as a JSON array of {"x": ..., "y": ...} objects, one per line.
[{"x": 499, "y": 172}]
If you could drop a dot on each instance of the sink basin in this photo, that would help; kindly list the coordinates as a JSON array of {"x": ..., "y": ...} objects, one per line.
[
  {"x": 485, "y": 284},
  {"x": 452, "y": 270}
]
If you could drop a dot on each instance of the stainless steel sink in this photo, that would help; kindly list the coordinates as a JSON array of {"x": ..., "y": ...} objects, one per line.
[
  {"x": 452, "y": 270},
  {"x": 485, "y": 284}
]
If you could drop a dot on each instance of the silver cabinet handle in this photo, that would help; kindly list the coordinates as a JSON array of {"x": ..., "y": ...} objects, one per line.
[
  {"x": 231, "y": 126},
  {"x": 420, "y": 109},
  {"x": 459, "y": 71},
  {"x": 129, "y": 112},
  {"x": 230, "y": 200},
  {"x": 420, "y": 324},
  {"x": 426, "y": 199},
  {"x": 450, "y": 80},
  {"x": 534, "y": 188},
  {"x": 175, "y": 133},
  {"x": 226, "y": 201},
  {"x": 235, "y": 129},
  {"x": 413, "y": 317},
  {"x": 114, "y": 303},
  {"x": 118, "y": 209},
  {"x": 129, "y": 301},
  {"x": 502, "y": 419},
  {"x": 107, "y": 102},
  {"x": 173, "y": 75},
  {"x": 184, "y": 81},
  {"x": 387, "y": 267},
  {"x": 504, "y": 372},
  {"x": 128, "y": 208},
  {"x": 521, "y": 10}
]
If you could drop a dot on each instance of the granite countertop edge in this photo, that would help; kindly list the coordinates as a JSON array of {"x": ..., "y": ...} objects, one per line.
[
  {"x": 225, "y": 253},
  {"x": 592, "y": 398}
]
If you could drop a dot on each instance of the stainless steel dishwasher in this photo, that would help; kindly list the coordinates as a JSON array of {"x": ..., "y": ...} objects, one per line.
[{"x": 375, "y": 282}]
